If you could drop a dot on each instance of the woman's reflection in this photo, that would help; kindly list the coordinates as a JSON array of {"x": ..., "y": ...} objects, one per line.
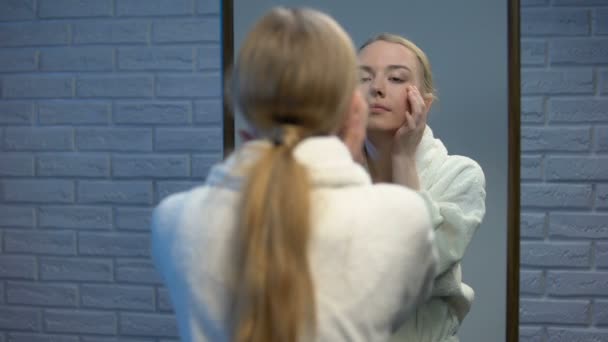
[{"x": 397, "y": 82}]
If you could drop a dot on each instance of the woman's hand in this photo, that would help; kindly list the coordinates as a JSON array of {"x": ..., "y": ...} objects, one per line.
[{"x": 407, "y": 138}]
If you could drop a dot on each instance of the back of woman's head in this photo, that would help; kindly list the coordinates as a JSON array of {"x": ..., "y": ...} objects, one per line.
[
  {"x": 296, "y": 66},
  {"x": 295, "y": 76}
]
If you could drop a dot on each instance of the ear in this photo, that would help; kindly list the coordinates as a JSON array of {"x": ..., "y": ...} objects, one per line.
[{"x": 428, "y": 101}]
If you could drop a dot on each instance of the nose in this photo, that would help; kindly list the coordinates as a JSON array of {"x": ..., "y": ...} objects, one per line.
[{"x": 376, "y": 88}]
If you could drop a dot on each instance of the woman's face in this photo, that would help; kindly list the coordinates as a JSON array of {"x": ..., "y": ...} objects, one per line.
[{"x": 386, "y": 69}]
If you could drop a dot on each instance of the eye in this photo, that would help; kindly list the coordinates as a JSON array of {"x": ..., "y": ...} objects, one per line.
[
  {"x": 396, "y": 79},
  {"x": 365, "y": 79}
]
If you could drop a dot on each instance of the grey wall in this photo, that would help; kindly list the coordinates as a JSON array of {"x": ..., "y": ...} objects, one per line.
[
  {"x": 106, "y": 106},
  {"x": 564, "y": 191},
  {"x": 467, "y": 44}
]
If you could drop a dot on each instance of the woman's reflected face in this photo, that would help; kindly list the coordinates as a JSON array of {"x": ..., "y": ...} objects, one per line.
[{"x": 386, "y": 69}]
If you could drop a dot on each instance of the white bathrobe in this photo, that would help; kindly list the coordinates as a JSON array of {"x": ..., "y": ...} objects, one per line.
[
  {"x": 454, "y": 188},
  {"x": 372, "y": 253}
]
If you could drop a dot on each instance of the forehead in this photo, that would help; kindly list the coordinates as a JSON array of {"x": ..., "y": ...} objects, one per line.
[{"x": 380, "y": 54}]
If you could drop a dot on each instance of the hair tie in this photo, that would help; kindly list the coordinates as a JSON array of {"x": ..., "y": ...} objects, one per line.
[{"x": 277, "y": 136}]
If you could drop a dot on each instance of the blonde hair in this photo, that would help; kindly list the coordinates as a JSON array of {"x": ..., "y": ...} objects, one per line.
[
  {"x": 294, "y": 77},
  {"x": 428, "y": 87}
]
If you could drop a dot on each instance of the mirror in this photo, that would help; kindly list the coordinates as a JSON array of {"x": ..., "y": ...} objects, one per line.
[{"x": 473, "y": 47}]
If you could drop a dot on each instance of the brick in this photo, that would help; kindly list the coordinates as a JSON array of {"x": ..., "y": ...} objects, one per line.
[
  {"x": 532, "y": 225},
  {"x": 114, "y": 244},
  {"x": 550, "y": 311},
  {"x": 17, "y": 10},
  {"x": 578, "y": 225},
  {"x": 148, "y": 325},
  {"x": 530, "y": 3},
  {"x": 115, "y": 192},
  {"x": 116, "y": 339},
  {"x": 164, "y": 300},
  {"x": 157, "y": 112},
  {"x": 76, "y": 269},
  {"x": 533, "y": 52},
  {"x": 555, "y": 254},
  {"x": 577, "y": 283},
  {"x": 601, "y": 139},
  {"x": 165, "y": 166},
  {"x": 38, "y": 139},
  {"x": 33, "y": 34},
  {"x": 41, "y": 294},
  {"x": 578, "y": 110},
  {"x": 591, "y": 51},
  {"x": 556, "y": 195},
  {"x": 531, "y": 282},
  {"x": 30, "y": 337},
  {"x": 532, "y": 110},
  {"x": 601, "y": 21},
  {"x": 76, "y": 217},
  {"x": 17, "y": 60},
  {"x": 117, "y": 297},
  {"x": 209, "y": 57},
  {"x": 137, "y": 219},
  {"x": 74, "y": 8},
  {"x": 202, "y": 164},
  {"x": 38, "y": 86},
  {"x": 555, "y": 334},
  {"x": 110, "y": 32},
  {"x": 577, "y": 168},
  {"x": 187, "y": 31},
  {"x": 156, "y": 58},
  {"x": 40, "y": 191},
  {"x": 552, "y": 22},
  {"x": 40, "y": 242},
  {"x": 600, "y": 312},
  {"x": 16, "y": 164},
  {"x": 208, "y": 6},
  {"x": 18, "y": 267},
  {"x": 208, "y": 111},
  {"x": 601, "y": 199},
  {"x": 16, "y": 113},
  {"x": 16, "y": 216},
  {"x": 73, "y": 113},
  {"x": 115, "y": 86},
  {"x": 531, "y": 334},
  {"x": 200, "y": 85},
  {"x": 137, "y": 271},
  {"x": 154, "y": 7},
  {"x": 563, "y": 139},
  {"x": 73, "y": 165},
  {"x": 531, "y": 167},
  {"x": 188, "y": 139},
  {"x": 579, "y": 3},
  {"x": 166, "y": 188},
  {"x": 20, "y": 319},
  {"x": 77, "y": 59},
  {"x": 556, "y": 82},
  {"x": 79, "y": 321},
  {"x": 601, "y": 254},
  {"x": 603, "y": 82},
  {"x": 114, "y": 139}
]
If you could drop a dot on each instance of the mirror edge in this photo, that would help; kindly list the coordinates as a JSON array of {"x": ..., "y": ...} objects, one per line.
[
  {"x": 227, "y": 45},
  {"x": 513, "y": 182}
]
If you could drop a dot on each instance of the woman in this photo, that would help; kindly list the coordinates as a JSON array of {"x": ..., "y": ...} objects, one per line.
[
  {"x": 288, "y": 240},
  {"x": 397, "y": 81}
]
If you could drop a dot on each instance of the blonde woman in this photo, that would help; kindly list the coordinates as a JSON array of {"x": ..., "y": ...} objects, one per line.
[
  {"x": 396, "y": 78},
  {"x": 288, "y": 239}
]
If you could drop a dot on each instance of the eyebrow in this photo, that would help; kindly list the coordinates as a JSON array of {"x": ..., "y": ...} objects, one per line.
[{"x": 389, "y": 67}]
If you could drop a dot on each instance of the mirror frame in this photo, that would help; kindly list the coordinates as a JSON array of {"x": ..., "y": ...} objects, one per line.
[{"x": 513, "y": 177}]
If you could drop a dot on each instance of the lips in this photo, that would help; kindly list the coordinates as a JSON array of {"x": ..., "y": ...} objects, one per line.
[{"x": 378, "y": 108}]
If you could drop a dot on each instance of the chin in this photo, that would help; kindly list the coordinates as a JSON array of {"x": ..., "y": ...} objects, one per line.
[{"x": 383, "y": 124}]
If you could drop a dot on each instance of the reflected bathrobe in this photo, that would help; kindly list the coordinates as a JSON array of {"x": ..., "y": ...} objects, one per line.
[
  {"x": 454, "y": 189},
  {"x": 371, "y": 252}
]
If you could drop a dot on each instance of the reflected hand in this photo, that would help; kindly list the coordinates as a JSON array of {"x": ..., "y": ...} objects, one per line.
[{"x": 408, "y": 136}]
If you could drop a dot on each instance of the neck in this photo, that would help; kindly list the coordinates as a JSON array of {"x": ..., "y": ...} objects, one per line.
[{"x": 380, "y": 165}]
